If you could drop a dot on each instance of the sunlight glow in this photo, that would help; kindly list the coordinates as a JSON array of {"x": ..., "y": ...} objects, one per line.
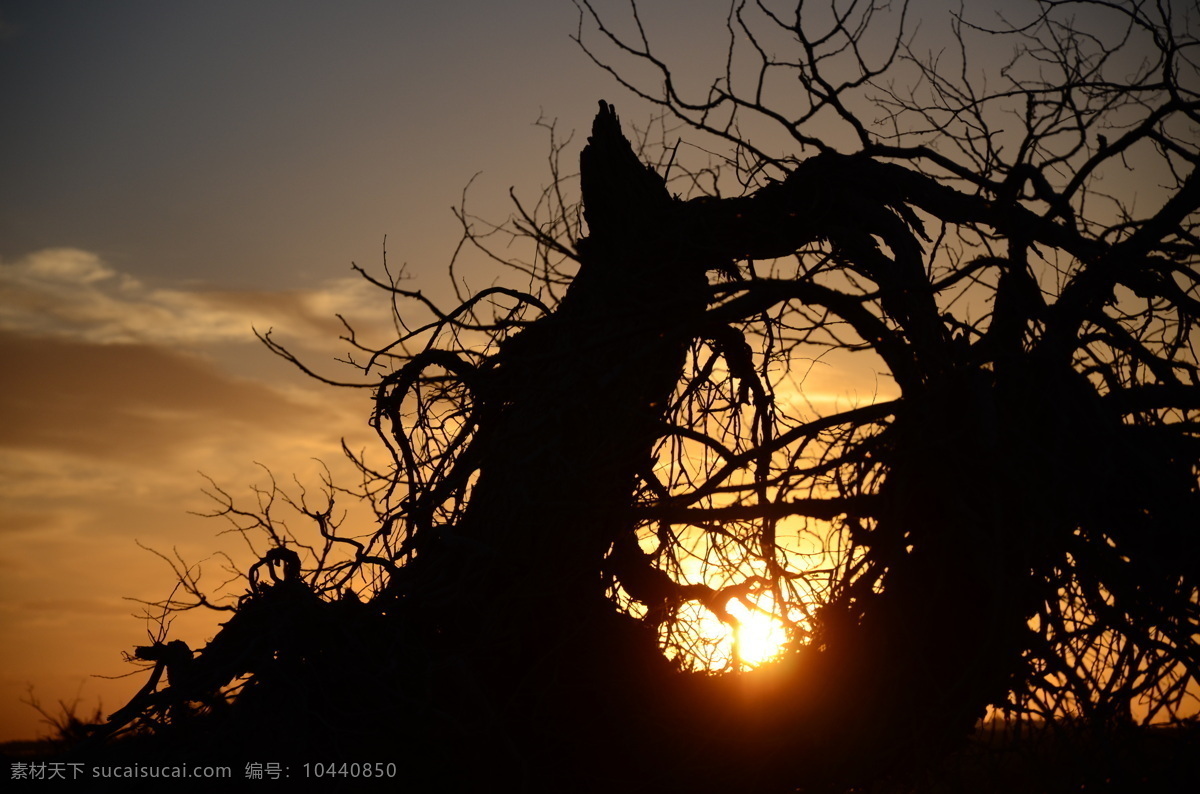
[
  {"x": 759, "y": 637},
  {"x": 755, "y": 627}
]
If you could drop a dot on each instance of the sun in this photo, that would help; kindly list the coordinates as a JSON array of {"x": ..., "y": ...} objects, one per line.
[
  {"x": 745, "y": 635},
  {"x": 758, "y": 637}
]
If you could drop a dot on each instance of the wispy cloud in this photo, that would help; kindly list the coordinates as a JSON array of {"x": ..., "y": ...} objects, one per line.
[
  {"x": 70, "y": 293},
  {"x": 117, "y": 393}
]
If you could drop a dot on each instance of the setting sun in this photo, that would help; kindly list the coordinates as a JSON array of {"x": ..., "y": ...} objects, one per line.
[
  {"x": 696, "y": 397},
  {"x": 759, "y": 637}
]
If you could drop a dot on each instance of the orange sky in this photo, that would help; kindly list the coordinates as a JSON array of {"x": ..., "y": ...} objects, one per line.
[{"x": 175, "y": 174}]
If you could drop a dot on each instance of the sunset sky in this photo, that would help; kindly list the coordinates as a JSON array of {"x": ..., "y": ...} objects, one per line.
[{"x": 174, "y": 174}]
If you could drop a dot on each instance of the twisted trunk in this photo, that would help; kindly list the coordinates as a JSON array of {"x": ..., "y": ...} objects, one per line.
[{"x": 575, "y": 405}]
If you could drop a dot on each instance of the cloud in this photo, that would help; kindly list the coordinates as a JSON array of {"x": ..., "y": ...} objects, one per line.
[
  {"x": 116, "y": 395},
  {"x": 101, "y": 446},
  {"x": 131, "y": 401},
  {"x": 70, "y": 293},
  {"x": 103, "y": 402}
]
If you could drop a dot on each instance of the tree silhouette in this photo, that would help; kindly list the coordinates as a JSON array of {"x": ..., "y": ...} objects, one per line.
[{"x": 578, "y": 468}]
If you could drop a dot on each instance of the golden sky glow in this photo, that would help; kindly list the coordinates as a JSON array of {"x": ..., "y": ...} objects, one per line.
[
  {"x": 759, "y": 636},
  {"x": 176, "y": 174}
]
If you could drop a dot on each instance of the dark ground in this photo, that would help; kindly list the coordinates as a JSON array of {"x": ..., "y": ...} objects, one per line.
[{"x": 1044, "y": 760}]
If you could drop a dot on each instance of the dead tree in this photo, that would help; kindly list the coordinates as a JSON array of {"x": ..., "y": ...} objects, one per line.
[{"x": 1013, "y": 528}]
